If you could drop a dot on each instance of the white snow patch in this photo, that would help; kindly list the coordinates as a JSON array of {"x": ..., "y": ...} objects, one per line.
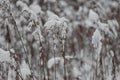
[
  {"x": 96, "y": 38},
  {"x": 25, "y": 70},
  {"x": 57, "y": 60},
  {"x": 11, "y": 74},
  {"x": 36, "y": 8},
  {"x": 76, "y": 72},
  {"x": 51, "y": 15},
  {"x": 93, "y": 16},
  {"x": 96, "y": 41},
  {"x": 53, "y": 61},
  {"x": 4, "y": 56}
]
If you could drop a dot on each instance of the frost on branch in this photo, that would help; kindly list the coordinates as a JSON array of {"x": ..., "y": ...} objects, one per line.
[
  {"x": 37, "y": 33},
  {"x": 47, "y": 39},
  {"x": 55, "y": 30},
  {"x": 56, "y": 25},
  {"x": 110, "y": 28},
  {"x": 29, "y": 10},
  {"x": 113, "y": 26}
]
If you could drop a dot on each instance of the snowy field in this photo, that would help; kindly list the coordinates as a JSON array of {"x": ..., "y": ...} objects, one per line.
[{"x": 59, "y": 40}]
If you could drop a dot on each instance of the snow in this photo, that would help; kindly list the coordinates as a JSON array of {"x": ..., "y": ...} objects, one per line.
[
  {"x": 113, "y": 26},
  {"x": 96, "y": 38},
  {"x": 38, "y": 33},
  {"x": 76, "y": 72},
  {"x": 12, "y": 50},
  {"x": 112, "y": 53},
  {"x": 103, "y": 26},
  {"x": 25, "y": 70},
  {"x": 52, "y": 1},
  {"x": 92, "y": 20},
  {"x": 51, "y": 15},
  {"x": 87, "y": 66},
  {"x": 4, "y": 56},
  {"x": 22, "y": 5},
  {"x": 49, "y": 25},
  {"x": 53, "y": 61},
  {"x": 93, "y": 16},
  {"x": 36, "y": 8},
  {"x": 89, "y": 23},
  {"x": 11, "y": 74},
  {"x": 110, "y": 28},
  {"x": 32, "y": 12},
  {"x": 57, "y": 24},
  {"x": 80, "y": 28},
  {"x": 57, "y": 60},
  {"x": 96, "y": 41},
  {"x": 53, "y": 21},
  {"x": 69, "y": 57}
]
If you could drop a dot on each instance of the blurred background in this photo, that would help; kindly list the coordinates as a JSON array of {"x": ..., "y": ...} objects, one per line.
[{"x": 60, "y": 39}]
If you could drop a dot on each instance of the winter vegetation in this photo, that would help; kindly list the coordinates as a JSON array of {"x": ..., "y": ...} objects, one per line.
[{"x": 59, "y": 39}]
